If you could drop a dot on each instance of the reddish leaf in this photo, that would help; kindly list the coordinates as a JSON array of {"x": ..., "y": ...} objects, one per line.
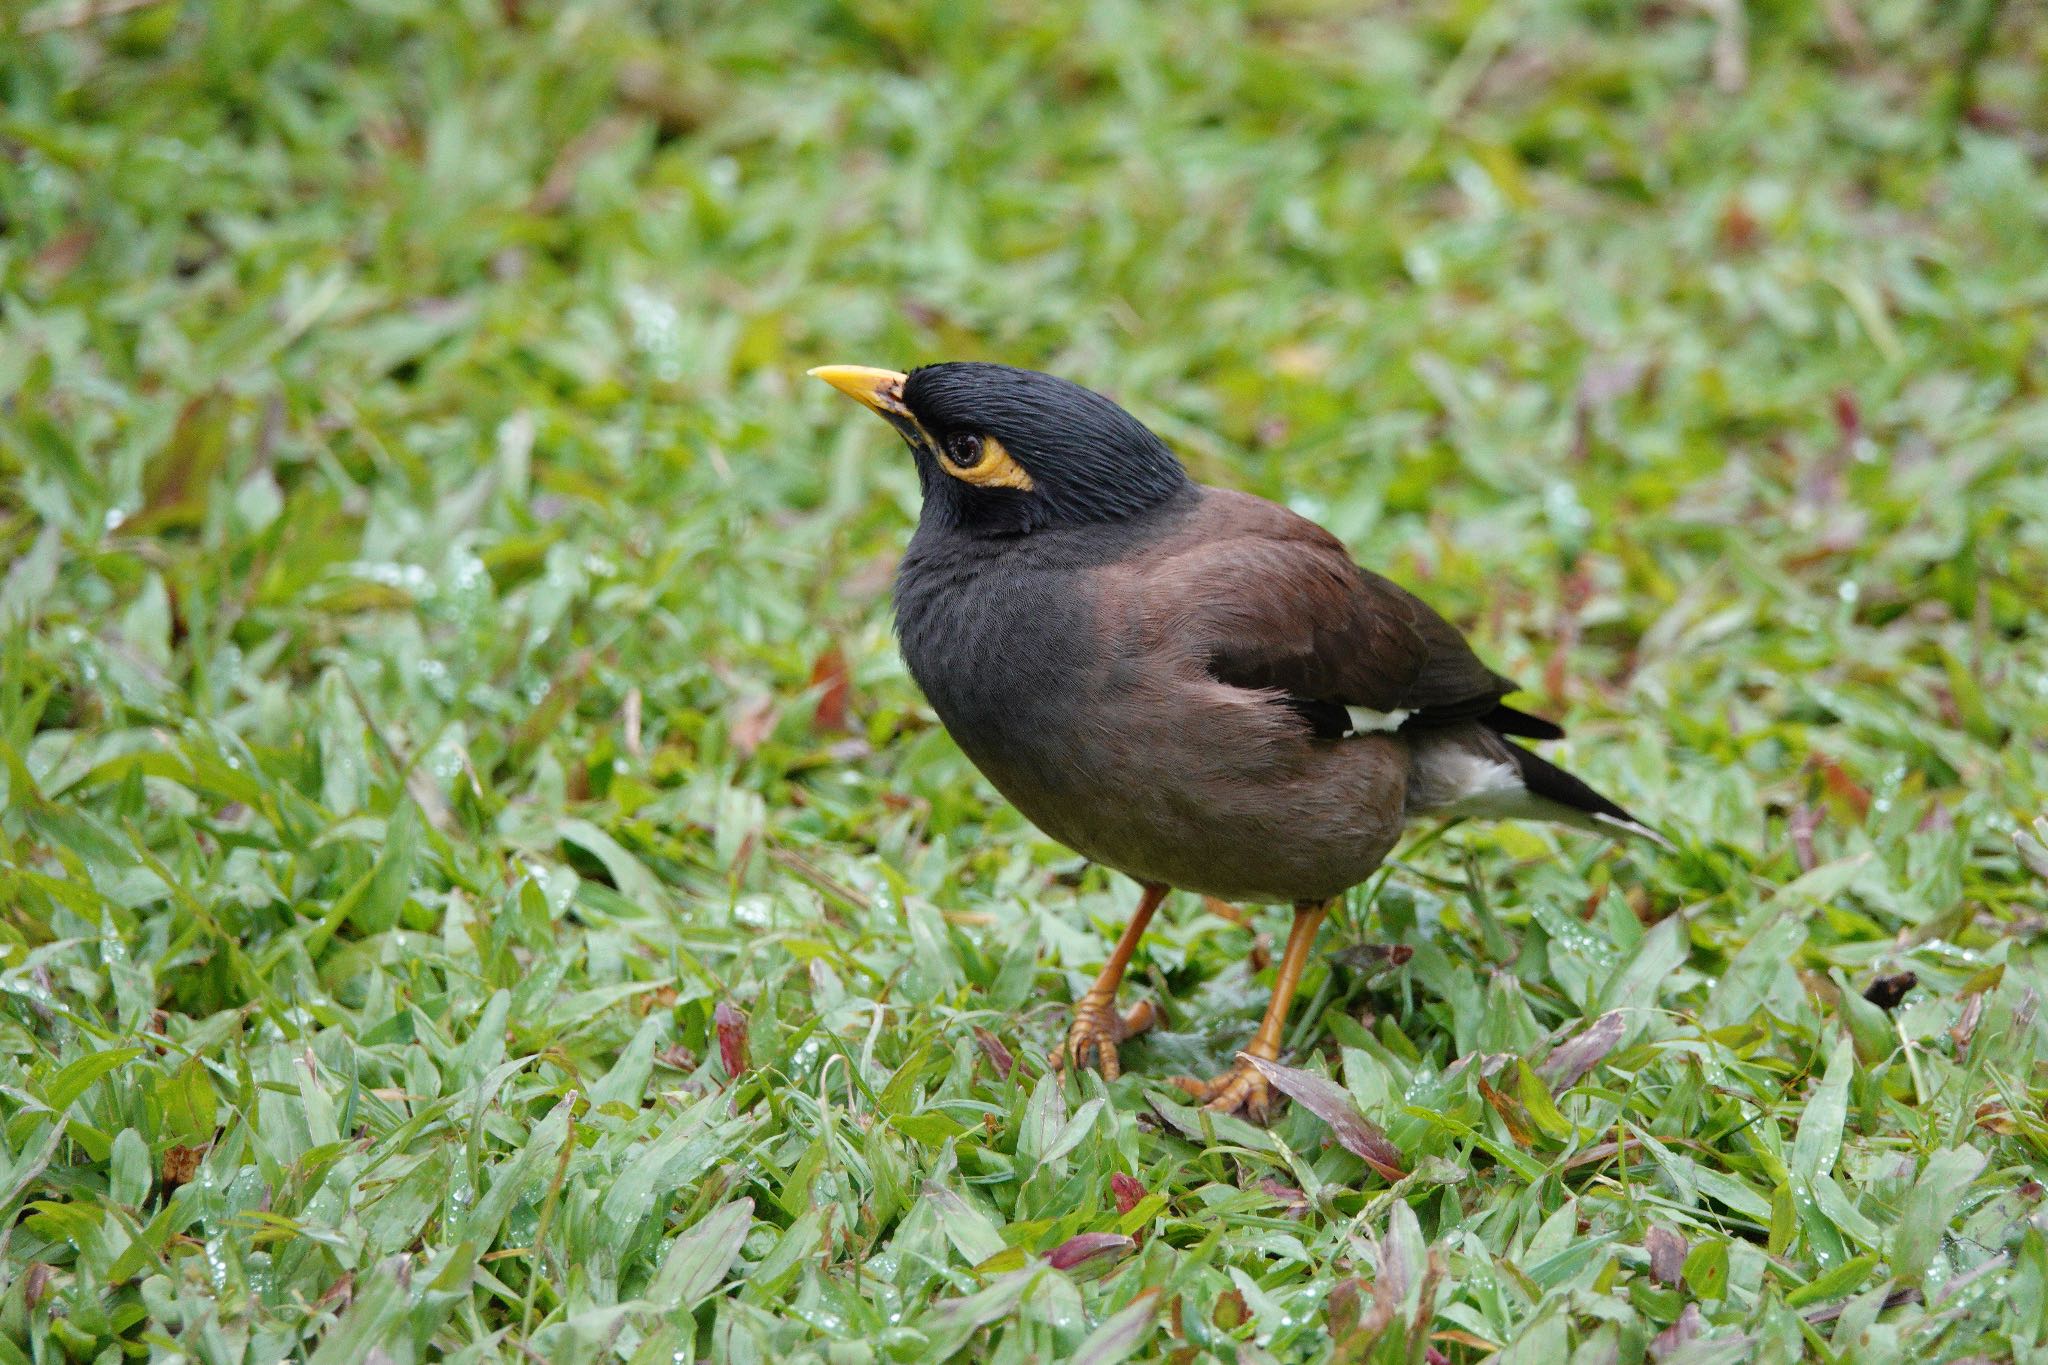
[
  {"x": 1511, "y": 1113},
  {"x": 63, "y": 254},
  {"x": 753, "y": 720},
  {"x": 1992, "y": 1117},
  {"x": 1571, "y": 1059},
  {"x": 342, "y": 1291},
  {"x": 1333, "y": 1105},
  {"x": 829, "y": 677},
  {"x": 1848, "y": 416},
  {"x": 1965, "y": 1028},
  {"x": 37, "y": 1282},
  {"x": 998, "y": 1056},
  {"x": 1345, "y": 1306},
  {"x": 1843, "y": 787},
  {"x": 1291, "y": 1199},
  {"x": 1353, "y": 1325},
  {"x": 732, "y": 1037},
  {"x": 1802, "y": 823},
  {"x": 1993, "y": 119},
  {"x": 1087, "y": 1246},
  {"x": 1739, "y": 228},
  {"x": 177, "y": 481},
  {"x": 1667, "y": 1253},
  {"x": 1128, "y": 1190},
  {"x": 1678, "y": 1334}
]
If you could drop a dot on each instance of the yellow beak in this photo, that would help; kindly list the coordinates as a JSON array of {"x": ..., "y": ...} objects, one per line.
[{"x": 881, "y": 390}]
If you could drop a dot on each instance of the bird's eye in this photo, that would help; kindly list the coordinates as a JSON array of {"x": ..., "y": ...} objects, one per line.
[{"x": 981, "y": 460}]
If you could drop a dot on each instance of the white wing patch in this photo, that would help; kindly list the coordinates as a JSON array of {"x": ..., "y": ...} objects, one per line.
[{"x": 1366, "y": 721}]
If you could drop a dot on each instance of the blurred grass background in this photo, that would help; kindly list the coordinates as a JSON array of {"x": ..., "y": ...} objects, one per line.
[{"x": 475, "y": 879}]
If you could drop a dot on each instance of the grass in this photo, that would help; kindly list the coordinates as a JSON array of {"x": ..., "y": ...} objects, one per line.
[{"x": 475, "y": 878}]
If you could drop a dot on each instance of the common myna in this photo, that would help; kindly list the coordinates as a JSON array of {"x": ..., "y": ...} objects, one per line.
[{"x": 1193, "y": 686}]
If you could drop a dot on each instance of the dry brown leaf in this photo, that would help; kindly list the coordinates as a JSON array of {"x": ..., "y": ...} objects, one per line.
[{"x": 181, "y": 1165}]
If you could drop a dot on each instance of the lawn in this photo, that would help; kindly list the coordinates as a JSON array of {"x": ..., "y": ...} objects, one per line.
[{"x": 477, "y": 882}]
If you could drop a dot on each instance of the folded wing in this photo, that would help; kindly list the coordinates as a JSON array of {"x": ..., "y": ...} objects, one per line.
[{"x": 1281, "y": 606}]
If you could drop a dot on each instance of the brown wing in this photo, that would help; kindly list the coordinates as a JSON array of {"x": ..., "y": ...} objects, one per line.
[{"x": 1277, "y": 603}]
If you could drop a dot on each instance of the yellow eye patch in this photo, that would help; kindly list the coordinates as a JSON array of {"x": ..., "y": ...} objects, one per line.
[{"x": 993, "y": 467}]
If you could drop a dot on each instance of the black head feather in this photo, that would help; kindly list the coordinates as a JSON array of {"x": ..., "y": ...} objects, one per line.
[{"x": 1088, "y": 459}]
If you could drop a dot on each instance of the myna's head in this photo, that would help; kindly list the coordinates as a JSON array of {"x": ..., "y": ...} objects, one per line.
[{"x": 1002, "y": 451}]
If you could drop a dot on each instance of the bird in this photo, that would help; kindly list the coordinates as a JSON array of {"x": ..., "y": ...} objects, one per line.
[{"x": 1194, "y": 686}]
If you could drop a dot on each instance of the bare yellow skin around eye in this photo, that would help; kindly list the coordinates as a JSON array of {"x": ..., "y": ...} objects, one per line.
[{"x": 995, "y": 468}]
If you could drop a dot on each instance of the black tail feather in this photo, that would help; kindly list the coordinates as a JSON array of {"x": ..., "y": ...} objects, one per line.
[
  {"x": 1552, "y": 783},
  {"x": 1506, "y": 720}
]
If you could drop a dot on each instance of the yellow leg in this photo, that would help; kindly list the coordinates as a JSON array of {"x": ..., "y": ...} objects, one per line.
[
  {"x": 1242, "y": 1088},
  {"x": 1097, "y": 1026}
]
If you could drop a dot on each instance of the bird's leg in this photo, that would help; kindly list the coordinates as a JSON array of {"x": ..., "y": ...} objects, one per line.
[
  {"x": 1097, "y": 1025},
  {"x": 1242, "y": 1088}
]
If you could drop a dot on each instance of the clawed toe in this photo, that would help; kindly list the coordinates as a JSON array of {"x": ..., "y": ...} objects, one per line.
[
  {"x": 1241, "y": 1090},
  {"x": 1098, "y": 1028}
]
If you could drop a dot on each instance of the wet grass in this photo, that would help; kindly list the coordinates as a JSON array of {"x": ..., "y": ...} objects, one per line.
[{"x": 475, "y": 879}]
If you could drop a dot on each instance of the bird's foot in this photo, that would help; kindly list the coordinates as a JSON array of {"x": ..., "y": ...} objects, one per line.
[
  {"x": 1097, "y": 1027},
  {"x": 1241, "y": 1090}
]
